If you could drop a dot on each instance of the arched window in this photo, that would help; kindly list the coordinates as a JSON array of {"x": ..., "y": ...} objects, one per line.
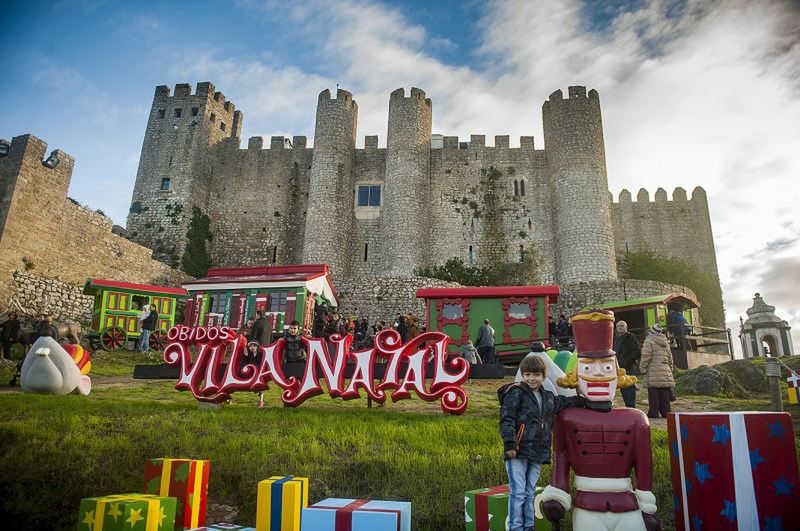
[
  {"x": 522, "y": 187},
  {"x": 516, "y": 187}
]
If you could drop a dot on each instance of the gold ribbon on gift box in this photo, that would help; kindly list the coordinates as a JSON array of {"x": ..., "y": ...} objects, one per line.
[
  {"x": 166, "y": 474},
  {"x": 153, "y": 506}
]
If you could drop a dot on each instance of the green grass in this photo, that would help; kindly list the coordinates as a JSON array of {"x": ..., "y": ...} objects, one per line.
[{"x": 57, "y": 450}]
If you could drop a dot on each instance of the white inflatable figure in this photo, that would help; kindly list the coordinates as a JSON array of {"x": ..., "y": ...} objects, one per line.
[
  {"x": 49, "y": 369},
  {"x": 554, "y": 372}
]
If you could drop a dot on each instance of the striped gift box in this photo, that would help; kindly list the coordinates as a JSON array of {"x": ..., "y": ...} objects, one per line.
[
  {"x": 280, "y": 502},
  {"x": 186, "y": 480}
]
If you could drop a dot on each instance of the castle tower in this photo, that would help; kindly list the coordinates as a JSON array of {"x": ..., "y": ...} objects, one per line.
[
  {"x": 584, "y": 237},
  {"x": 329, "y": 218},
  {"x": 406, "y": 194},
  {"x": 174, "y": 168}
]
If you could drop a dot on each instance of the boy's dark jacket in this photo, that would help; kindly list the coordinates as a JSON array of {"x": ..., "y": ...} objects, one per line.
[{"x": 519, "y": 406}]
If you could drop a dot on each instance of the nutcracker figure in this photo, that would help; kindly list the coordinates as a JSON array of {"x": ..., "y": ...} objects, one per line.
[{"x": 600, "y": 444}]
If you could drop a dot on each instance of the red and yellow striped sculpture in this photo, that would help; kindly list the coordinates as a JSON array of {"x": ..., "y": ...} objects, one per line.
[{"x": 80, "y": 356}]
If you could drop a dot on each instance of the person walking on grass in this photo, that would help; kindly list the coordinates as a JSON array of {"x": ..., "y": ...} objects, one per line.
[
  {"x": 526, "y": 422},
  {"x": 140, "y": 319},
  {"x": 656, "y": 369},
  {"x": 485, "y": 342}
]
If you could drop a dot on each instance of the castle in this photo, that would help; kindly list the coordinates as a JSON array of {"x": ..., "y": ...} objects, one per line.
[{"x": 376, "y": 213}]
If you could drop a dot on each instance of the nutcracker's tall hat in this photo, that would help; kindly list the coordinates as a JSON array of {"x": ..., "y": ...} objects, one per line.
[{"x": 594, "y": 333}]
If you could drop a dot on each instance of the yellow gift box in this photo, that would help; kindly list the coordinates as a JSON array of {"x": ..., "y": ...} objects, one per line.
[{"x": 281, "y": 500}]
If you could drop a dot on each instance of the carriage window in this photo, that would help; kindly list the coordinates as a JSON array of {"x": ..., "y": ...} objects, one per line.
[
  {"x": 277, "y": 302},
  {"x": 452, "y": 311},
  {"x": 519, "y": 311},
  {"x": 218, "y": 303},
  {"x": 139, "y": 301}
]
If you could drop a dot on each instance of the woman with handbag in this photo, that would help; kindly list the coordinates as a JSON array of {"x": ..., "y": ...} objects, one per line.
[{"x": 656, "y": 369}]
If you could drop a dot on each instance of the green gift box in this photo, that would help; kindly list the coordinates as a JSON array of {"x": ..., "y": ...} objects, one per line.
[
  {"x": 487, "y": 510},
  {"x": 127, "y": 512}
]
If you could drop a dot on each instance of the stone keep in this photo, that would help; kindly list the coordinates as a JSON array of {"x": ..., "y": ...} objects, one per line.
[{"x": 292, "y": 203}]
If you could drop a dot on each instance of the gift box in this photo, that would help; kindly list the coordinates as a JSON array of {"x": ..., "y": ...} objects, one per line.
[
  {"x": 118, "y": 512},
  {"x": 342, "y": 514},
  {"x": 223, "y": 527},
  {"x": 184, "y": 479},
  {"x": 733, "y": 470},
  {"x": 280, "y": 502},
  {"x": 487, "y": 510}
]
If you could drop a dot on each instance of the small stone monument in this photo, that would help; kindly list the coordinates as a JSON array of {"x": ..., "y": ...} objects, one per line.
[{"x": 763, "y": 333}]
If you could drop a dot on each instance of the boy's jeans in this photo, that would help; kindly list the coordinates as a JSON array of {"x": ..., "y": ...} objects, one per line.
[
  {"x": 144, "y": 340},
  {"x": 522, "y": 478}
]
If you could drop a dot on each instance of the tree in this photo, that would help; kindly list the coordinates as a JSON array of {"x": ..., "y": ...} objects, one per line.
[
  {"x": 649, "y": 265},
  {"x": 196, "y": 260},
  {"x": 523, "y": 273}
]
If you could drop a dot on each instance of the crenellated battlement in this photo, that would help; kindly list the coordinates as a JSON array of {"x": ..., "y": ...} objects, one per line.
[
  {"x": 479, "y": 141},
  {"x": 204, "y": 92},
  {"x": 416, "y": 94},
  {"x": 678, "y": 196},
  {"x": 576, "y": 92},
  {"x": 277, "y": 142},
  {"x": 343, "y": 97}
]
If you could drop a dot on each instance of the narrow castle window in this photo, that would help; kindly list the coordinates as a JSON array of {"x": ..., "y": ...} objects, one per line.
[
  {"x": 162, "y": 113},
  {"x": 212, "y": 118},
  {"x": 165, "y": 182},
  {"x": 178, "y": 113},
  {"x": 529, "y": 224},
  {"x": 369, "y": 195},
  {"x": 222, "y": 125},
  {"x": 195, "y": 110},
  {"x": 471, "y": 256},
  {"x": 366, "y": 250},
  {"x": 516, "y": 187},
  {"x": 522, "y": 187},
  {"x": 274, "y": 254},
  {"x": 521, "y": 253}
]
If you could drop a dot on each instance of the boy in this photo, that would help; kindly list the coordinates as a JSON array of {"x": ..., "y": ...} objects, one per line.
[{"x": 526, "y": 420}]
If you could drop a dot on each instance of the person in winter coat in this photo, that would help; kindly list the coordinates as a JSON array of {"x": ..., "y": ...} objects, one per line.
[
  {"x": 628, "y": 354},
  {"x": 485, "y": 342},
  {"x": 526, "y": 421},
  {"x": 656, "y": 369},
  {"x": 10, "y": 334},
  {"x": 293, "y": 348},
  {"x": 260, "y": 331},
  {"x": 148, "y": 325},
  {"x": 469, "y": 352}
]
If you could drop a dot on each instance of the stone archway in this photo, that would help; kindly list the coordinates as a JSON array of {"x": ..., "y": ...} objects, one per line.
[{"x": 770, "y": 346}]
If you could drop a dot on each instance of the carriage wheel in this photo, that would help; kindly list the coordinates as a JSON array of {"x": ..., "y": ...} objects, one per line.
[
  {"x": 158, "y": 340},
  {"x": 113, "y": 338}
]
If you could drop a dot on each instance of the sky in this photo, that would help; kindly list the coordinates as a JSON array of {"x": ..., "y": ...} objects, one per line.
[{"x": 693, "y": 93}]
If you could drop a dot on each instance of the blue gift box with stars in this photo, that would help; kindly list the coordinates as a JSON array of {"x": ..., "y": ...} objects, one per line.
[{"x": 733, "y": 471}]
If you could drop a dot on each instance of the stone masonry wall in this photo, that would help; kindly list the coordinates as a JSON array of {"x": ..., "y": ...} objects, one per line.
[
  {"x": 181, "y": 130},
  {"x": 680, "y": 228},
  {"x": 49, "y": 236},
  {"x": 381, "y": 298},
  {"x": 64, "y": 301}
]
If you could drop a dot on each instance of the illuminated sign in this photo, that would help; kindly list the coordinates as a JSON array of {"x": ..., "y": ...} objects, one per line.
[{"x": 406, "y": 370}]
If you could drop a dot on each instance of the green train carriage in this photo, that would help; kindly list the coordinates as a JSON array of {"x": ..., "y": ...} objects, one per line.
[{"x": 116, "y": 310}]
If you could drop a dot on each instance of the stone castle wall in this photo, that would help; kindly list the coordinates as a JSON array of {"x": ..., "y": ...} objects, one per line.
[
  {"x": 381, "y": 298},
  {"x": 680, "y": 228},
  {"x": 62, "y": 300},
  {"x": 48, "y": 236}
]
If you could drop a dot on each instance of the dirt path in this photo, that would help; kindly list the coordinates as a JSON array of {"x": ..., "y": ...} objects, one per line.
[{"x": 97, "y": 382}]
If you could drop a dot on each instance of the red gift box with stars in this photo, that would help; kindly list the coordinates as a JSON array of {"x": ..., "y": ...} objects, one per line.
[{"x": 733, "y": 471}]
